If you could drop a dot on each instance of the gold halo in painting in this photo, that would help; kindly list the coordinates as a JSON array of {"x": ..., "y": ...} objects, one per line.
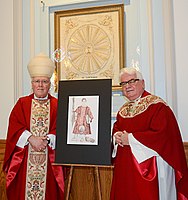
[{"x": 89, "y": 48}]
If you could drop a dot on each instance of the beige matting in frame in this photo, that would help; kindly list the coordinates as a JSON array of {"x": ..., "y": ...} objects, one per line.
[{"x": 89, "y": 43}]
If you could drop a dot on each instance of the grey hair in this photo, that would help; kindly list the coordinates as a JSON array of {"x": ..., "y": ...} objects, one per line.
[{"x": 131, "y": 70}]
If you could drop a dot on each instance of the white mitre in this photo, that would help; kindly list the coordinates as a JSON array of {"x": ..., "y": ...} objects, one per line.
[{"x": 41, "y": 65}]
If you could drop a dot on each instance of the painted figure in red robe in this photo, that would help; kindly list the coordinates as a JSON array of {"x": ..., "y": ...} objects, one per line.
[
  {"x": 148, "y": 153},
  {"x": 83, "y": 118},
  {"x": 30, "y": 144}
]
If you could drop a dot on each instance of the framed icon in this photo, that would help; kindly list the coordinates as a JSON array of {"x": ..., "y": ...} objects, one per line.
[{"x": 89, "y": 43}]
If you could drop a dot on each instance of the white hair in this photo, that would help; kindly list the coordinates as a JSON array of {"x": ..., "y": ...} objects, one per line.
[{"x": 131, "y": 71}]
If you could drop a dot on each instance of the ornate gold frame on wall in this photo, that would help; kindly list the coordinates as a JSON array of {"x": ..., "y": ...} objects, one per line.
[{"x": 89, "y": 43}]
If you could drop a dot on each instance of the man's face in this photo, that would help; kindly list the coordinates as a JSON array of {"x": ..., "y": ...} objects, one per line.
[
  {"x": 133, "y": 89},
  {"x": 40, "y": 86}
]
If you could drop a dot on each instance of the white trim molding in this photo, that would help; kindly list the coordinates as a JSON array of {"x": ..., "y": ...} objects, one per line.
[
  {"x": 169, "y": 50},
  {"x": 17, "y": 53},
  {"x": 151, "y": 46}
]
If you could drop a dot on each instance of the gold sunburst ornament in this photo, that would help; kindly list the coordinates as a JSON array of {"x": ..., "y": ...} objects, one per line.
[{"x": 89, "y": 48}]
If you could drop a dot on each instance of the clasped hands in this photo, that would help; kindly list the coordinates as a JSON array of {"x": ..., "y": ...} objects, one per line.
[
  {"x": 121, "y": 138},
  {"x": 38, "y": 143}
]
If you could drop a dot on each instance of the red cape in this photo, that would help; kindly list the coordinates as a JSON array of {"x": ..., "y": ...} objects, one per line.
[
  {"x": 157, "y": 129},
  {"x": 15, "y": 160}
]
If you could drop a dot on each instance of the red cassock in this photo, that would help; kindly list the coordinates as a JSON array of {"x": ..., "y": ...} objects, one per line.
[
  {"x": 155, "y": 127},
  {"x": 15, "y": 161}
]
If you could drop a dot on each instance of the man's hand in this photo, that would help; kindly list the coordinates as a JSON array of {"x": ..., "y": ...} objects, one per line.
[
  {"x": 117, "y": 136},
  {"x": 38, "y": 143},
  {"x": 121, "y": 138},
  {"x": 124, "y": 138}
]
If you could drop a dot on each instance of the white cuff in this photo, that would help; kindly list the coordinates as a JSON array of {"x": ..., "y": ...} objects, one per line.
[
  {"x": 115, "y": 146},
  {"x": 22, "y": 141},
  {"x": 140, "y": 151},
  {"x": 52, "y": 141}
]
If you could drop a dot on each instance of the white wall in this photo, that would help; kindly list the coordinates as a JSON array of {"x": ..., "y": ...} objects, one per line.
[
  {"x": 6, "y": 64},
  {"x": 181, "y": 41}
]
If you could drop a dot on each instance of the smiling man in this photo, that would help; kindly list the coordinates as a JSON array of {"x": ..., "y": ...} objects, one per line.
[
  {"x": 148, "y": 155},
  {"x": 30, "y": 147}
]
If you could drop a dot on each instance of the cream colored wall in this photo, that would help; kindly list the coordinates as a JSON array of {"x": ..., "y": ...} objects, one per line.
[
  {"x": 6, "y": 64},
  {"x": 181, "y": 42}
]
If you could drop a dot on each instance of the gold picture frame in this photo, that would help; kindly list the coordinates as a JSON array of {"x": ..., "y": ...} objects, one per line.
[{"x": 89, "y": 43}]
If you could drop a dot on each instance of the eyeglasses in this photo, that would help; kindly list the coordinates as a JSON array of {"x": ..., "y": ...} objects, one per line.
[
  {"x": 130, "y": 82},
  {"x": 43, "y": 82}
]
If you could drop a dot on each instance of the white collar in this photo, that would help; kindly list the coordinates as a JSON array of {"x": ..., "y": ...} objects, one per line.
[
  {"x": 37, "y": 98},
  {"x": 135, "y": 100}
]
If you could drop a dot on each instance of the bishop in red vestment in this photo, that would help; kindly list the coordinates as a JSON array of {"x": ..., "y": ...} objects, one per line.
[
  {"x": 149, "y": 158},
  {"x": 30, "y": 140}
]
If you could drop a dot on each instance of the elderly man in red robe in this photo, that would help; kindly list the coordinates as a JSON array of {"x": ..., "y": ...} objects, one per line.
[
  {"x": 148, "y": 154},
  {"x": 31, "y": 140}
]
